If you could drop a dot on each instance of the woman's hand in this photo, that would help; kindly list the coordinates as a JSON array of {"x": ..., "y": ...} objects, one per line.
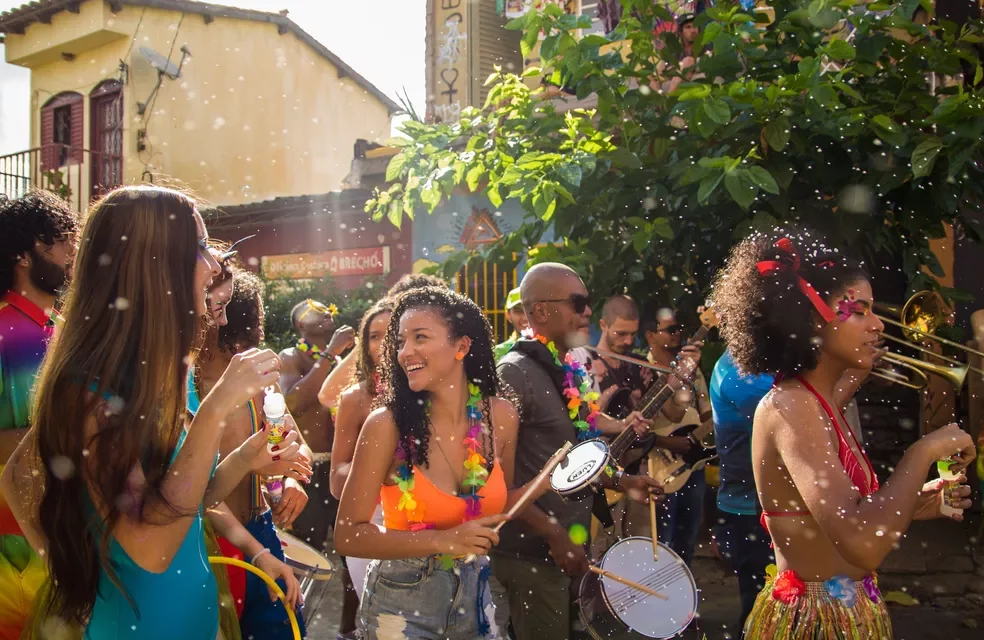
[
  {"x": 284, "y": 459},
  {"x": 247, "y": 373},
  {"x": 292, "y": 502},
  {"x": 931, "y": 499},
  {"x": 950, "y": 443},
  {"x": 475, "y": 537},
  {"x": 279, "y": 570}
]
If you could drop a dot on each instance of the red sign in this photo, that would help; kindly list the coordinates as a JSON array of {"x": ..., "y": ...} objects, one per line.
[{"x": 349, "y": 262}]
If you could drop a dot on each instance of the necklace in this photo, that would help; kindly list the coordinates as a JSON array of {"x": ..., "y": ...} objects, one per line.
[
  {"x": 577, "y": 390},
  {"x": 306, "y": 347},
  {"x": 474, "y": 477}
]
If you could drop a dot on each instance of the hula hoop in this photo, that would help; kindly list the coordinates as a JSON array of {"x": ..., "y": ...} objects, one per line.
[{"x": 268, "y": 580}]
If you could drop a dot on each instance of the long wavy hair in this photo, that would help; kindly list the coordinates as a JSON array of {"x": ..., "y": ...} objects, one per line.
[
  {"x": 409, "y": 408},
  {"x": 120, "y": 360},
  {"x": 364, "y": 365}
]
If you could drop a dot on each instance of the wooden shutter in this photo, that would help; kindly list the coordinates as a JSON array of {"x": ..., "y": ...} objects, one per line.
[
  {"x": 78, "y": 129},
  {"x": 496, "y": 46},
  {"x": 49, "y": 155}
]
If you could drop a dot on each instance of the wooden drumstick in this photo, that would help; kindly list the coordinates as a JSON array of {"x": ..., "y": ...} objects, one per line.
[
  {"x": 652, "y": 513},
  {"x": 635, "y": 585},
  {"x": 552, "y": 463}
]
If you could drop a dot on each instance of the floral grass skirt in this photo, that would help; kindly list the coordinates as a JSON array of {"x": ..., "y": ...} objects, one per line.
[{"x": 838, "y": 609}]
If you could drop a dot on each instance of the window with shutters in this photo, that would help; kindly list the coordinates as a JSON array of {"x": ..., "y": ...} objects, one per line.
[{"x": 62, "y": 131}]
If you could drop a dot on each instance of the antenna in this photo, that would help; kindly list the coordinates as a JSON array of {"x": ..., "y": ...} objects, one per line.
[{"x": 164, "y": 67}]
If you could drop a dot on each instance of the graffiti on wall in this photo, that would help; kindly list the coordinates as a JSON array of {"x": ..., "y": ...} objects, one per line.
[{"x": 450, "y": 90}]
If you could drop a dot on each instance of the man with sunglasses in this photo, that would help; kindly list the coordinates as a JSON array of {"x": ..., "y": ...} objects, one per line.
[
  {"x": 680, "y": 513},
  {"x": 543, "y": 547},
  {"x": 305, "y": 368}
]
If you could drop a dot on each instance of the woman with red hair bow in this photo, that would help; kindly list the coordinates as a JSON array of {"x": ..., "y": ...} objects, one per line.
[{"x": 794, "y": 308}]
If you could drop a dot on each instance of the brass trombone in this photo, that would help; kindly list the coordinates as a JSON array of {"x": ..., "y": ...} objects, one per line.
[{"x": 919, "y": 318}]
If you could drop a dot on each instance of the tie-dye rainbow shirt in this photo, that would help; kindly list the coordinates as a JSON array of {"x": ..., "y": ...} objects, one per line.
[{"x": 25, "y": 330}]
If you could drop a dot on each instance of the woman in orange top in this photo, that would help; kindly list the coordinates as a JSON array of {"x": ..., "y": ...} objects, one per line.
[{"x": 440, "y": 453}]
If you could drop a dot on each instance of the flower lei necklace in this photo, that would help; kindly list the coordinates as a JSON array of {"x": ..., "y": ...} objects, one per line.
[
  {"x": 474, "y": 479},
  {"x": 306, "y": 347},
  {"x": 577, "y": 390}
]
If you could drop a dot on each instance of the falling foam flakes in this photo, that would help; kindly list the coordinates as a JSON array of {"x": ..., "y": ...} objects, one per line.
[
  {"x": 253, "y": 261},
  {"x": 121, "y": 304},
  {"x": 62, "y": 468},
  {"x": 104, "y": 260}
]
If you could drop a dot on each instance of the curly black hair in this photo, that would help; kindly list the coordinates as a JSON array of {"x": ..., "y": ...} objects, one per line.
[
  {"x": 768, "y": 323},
  {"x": 364, "y": 366},
  {"x": 244, "y": 313},
  {"x": 409, "y": 408},
  {"x": 414, "y": 281},
  {"x": 38, "y": 216}
]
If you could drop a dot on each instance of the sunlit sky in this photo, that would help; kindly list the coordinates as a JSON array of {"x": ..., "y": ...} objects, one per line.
[{"x": 381, "y": 39}]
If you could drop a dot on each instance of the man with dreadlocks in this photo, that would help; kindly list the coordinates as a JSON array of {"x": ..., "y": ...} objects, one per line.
[{"x": 37, "y": 248}]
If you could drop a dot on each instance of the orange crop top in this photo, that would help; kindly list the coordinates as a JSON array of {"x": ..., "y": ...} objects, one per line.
[{"x": 437, "y": 508}]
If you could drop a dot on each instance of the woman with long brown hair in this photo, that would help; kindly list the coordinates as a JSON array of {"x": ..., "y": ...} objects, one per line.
[{"x": 120, "y": 518}]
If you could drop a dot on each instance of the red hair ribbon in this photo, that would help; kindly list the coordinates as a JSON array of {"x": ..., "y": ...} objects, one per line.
[{"x": 792, "y": 264}]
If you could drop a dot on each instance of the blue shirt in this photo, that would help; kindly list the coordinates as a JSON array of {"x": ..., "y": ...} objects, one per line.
[
  {"x": 734, "y": 399},
  {"x": 181, "y": 602}
]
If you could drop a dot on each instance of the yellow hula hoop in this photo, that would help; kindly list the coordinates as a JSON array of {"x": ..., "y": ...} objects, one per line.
[{"x": 270, "y": 583}]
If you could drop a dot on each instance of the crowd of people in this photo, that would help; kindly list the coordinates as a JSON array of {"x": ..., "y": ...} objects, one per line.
[{"x": 136, "y": 444}]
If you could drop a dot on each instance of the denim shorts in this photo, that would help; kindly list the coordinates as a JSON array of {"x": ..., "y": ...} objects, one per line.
[{"x": 418, "y": 598}]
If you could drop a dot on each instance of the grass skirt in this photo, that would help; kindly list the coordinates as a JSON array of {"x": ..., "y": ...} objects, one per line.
[{"x": 838, "y": 609}]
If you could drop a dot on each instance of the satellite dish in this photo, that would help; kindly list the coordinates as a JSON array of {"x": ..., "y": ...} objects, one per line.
[
  {"x": 160, "y": 63},
  {"x": 164, "y": 68}
]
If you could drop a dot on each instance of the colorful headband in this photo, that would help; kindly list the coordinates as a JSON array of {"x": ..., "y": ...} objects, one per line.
[{"x": 792, "y": 265}]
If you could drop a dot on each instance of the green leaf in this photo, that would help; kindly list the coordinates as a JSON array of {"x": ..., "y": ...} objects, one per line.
[
  {"x": 640, "y": 240},
  {"x": 957, "y": 160},
  {"x": 685, "y": 93},
  {"x": 570, "y": 173},
  {"x": 662, "y": 228},
  {"x": 548, "y": 48},
  {"x": 825, "y": 95},
  {"x": 711, "y": 31},
  {"x": 718, "y": 111},
  {"x": 840, "y": 50},
  {"x": 777, "y": 133},
  {"x": 846, "y": 89},
  {"x": 978, "y": 75},
  {"x": 395, "y": 213},
  {"x": 551, "y": 208},
  {"x": 626, "y": 159},
  {"x": 924, "y": 157},
  {"x": 763, "y": 179},
  {"x": 741, "y": 191},
  {"x": 494, "y": 197},
  {"x": 888, "y": 130},
  {"x": 474, "y": 176},
  {"x": 707, "y": 186},
  {"x": 395, "y": 166}
]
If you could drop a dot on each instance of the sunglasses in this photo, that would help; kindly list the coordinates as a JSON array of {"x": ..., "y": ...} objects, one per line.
[
  {"x": 317, "y": 307},
  {"x": 673, "y": 328},
  {"x": 578, "y": 301}
]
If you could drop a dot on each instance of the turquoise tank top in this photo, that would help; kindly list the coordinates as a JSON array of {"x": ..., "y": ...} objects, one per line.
[
  {"x": 193, "y": 401},
  {"x": 182, "y": 602}
]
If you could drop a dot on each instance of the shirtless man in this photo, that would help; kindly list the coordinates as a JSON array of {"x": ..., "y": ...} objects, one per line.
[{"x": 305, "y": 368}]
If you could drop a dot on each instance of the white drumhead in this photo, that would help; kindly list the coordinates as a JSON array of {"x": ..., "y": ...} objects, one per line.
[
  {"x": 652, "y": 617},
  {"x": 303, "y": 557},
  {"x": 583, "y": 464}
]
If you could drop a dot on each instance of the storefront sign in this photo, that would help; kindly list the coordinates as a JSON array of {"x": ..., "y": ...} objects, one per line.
[{"x": 367, "y": 261}]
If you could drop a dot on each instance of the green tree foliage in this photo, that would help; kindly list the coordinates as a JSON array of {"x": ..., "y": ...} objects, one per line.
[
  {"x": 790, "y": 122},
  {"x": 282, "y": 295}
]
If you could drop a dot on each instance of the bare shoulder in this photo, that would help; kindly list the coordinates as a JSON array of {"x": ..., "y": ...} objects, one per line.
[
  {"x": 503, "y": 410},
  {"x": 355, "y": 394},
  {"x": 289, "y": 357},
  {"x": 380, "y": 425},
  {"x": 791, "y": 415}
]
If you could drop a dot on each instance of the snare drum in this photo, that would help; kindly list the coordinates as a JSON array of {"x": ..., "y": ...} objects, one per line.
[
  {"x": 309, "y": 566},
  {"x": 612, "y": 611},
  {"x": 583, "y": 466}
]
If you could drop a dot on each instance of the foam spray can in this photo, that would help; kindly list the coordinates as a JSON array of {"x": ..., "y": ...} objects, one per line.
[
  {"x": 275, "y": 412},
  {"x": 951, "y": 478}
]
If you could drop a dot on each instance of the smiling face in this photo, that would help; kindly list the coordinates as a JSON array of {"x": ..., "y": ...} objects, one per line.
[
  {"x": 377, "y": 331},
  {"x": 205, "y": 269},
  {"x": 427, "y": 352},
  {"x": 850, "y": 339},
  {"x": 218, "y": 299}
]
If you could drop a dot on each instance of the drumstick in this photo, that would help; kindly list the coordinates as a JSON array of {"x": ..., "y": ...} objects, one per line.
[
  {"x": 635, "y": 585},
  {"x": 537, "y": 481},
  {"x": 652, "y": 513}
]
